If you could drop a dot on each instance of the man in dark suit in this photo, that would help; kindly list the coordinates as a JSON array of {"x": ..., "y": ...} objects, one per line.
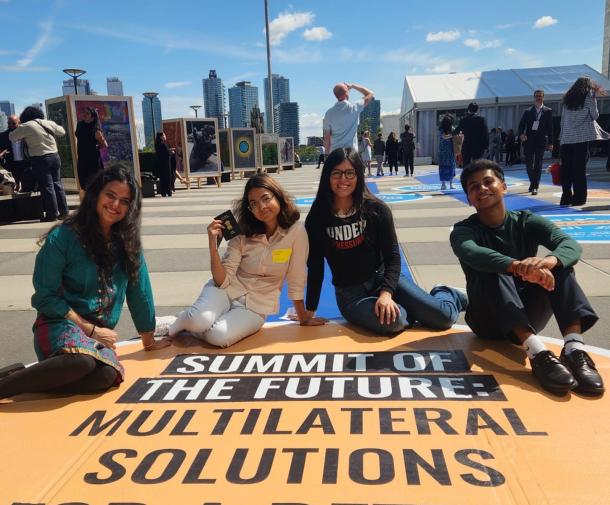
[
  {"x": 536, "y": 133},
  {"x": 12, "y": 158},
  {"x": 476, "y": 135}
]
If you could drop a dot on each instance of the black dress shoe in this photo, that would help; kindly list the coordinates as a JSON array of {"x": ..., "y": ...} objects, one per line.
[
  {"x": 552, "y": 374},
  {"x": 584, "y": 371},
  {"x": 535, "y": 191}
]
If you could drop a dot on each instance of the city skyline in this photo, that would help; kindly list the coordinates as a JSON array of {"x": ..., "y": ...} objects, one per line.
[
  {"x": 214, "y": 98},
  {"x": 315, "y": 45}
]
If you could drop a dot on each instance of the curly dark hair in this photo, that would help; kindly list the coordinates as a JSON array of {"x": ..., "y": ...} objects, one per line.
[
  {"x": 322, "y": 207},
  {"x": 125, "y": 242},
  {"x": 289, "y": 213},
  {"x": 574, "y": 98},
  {"x": 446, "y": 125},
  {"x": 31, "y": 112}
]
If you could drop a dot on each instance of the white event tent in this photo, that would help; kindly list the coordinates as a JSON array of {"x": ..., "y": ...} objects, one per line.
[{"x": 502, "y": 96}]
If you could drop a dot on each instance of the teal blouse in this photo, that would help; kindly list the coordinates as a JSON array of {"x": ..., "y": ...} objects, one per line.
[{"x": 65, "y": 277}]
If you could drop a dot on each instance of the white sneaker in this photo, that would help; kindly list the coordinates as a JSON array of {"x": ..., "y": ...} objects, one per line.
[{"x": 162, "y": 325}]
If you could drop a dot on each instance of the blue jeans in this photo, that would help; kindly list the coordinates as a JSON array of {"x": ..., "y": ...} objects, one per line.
[
  {"x": 438, "y": 309},
  {"x": 46, "y": 170}
]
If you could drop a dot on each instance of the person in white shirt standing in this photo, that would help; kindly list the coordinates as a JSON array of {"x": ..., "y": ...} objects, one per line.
[{"x": 341, "y": 121}]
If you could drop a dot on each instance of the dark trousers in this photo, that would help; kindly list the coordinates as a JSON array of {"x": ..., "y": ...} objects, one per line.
[
  {"x": 320, "y": 160},
  {"x": 46, "y": 170},
  {"x": 408, "y": 158},
  {"x": 18, "y": 168},
  {"x": 393, "y": 162},
  {"x": 498, "y": 303},
  {"x": 574, "y": 173},
  {"x": 533, "y": 161},
  {"x": 471, "y": 154}
]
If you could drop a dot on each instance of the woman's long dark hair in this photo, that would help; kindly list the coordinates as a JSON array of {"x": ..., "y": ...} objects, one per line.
[
  {"x": 322, "y": 206},
  {"x": 95, "y": 124},
  {"x": 447, "y": 124},
  {"x": 125, "y": 233},
  {"x": 31, "y": 112},
  {"x": 289, "y": 213},
  {"x": 574, "y": 98},
  {"x": 158, "y": 141}
]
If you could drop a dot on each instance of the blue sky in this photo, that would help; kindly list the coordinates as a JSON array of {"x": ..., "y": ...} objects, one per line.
[{"x": 169, "y": 47}]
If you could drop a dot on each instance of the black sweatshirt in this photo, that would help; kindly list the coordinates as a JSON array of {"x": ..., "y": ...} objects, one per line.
[{"x": 355, "y": 248}]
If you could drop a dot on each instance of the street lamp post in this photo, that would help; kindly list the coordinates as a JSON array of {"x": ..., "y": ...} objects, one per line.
[
  {"x": 195, "y": 108},
  {"x": 151, "y": 95},
  {"x": 75, "y": 73},
  {"x": 270, "y": 84}
]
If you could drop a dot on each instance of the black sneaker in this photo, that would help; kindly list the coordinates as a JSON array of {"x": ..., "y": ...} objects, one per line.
[
  {"x": 583, "y": 368},
  {"x": 552, "y": 374}
]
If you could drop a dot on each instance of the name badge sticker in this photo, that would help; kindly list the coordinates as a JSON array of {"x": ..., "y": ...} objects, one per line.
[{"x": 281, "y": 255}]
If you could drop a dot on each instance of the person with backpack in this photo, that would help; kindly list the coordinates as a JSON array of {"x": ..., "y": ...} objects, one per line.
[{"x": 39, "y": 135}]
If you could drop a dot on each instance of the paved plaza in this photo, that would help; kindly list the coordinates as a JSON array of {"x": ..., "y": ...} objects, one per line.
[{"x": 175, "y": 244}]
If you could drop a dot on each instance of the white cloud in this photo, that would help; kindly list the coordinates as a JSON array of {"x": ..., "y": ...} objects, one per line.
[
  {"x": 18, "y": 68},
  {"x": 317, "y": 33},
  {"x": 40, "y": 44},
  {"x": 310, "y": 125},
  {"x": 350, "y": 56},
  {"x": 286, "y": 23},
  {"x": 442, "y": 68},
  {"x": 523, "y": 59},
  {"x": 509, "y": 51},
  {"x": 241, "y": 77},
  {"x": 477, "y": 45},
  {"x": 545, "y": 21},
  {"x": 177, "y": 84},
  {"x": 297, "y": 55},
  {"x": 427, "y": 61},
  {"x": 449, "y": 36}
]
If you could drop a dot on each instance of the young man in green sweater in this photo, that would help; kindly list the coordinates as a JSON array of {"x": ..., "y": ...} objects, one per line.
[{"x": 513, "y": 292}]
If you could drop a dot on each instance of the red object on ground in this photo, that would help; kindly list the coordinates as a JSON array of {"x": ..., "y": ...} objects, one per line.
[{"x": 555, "y": 170}]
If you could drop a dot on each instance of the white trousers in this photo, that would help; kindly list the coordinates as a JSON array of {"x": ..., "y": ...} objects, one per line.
[{"x": 216, "y": 319}]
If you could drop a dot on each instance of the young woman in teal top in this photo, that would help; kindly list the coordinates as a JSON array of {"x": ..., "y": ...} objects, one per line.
[{"x": 86, "y": 268}]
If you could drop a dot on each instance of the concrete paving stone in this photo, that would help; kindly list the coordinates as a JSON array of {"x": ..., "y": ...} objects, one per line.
[
  {"x": 178, "y": 288},
  {"x": 20, "y": 292},
  {"x": 190, "y": 241},
  {"x": 18, "y": 245},
  {"x": 428, "y": 253},
  {"x": 425, "y": 222},
  {"x": 592, "y": 280},
  {"x": 431, "y": 234},
  {"x": 16, "y": 263},
  {"x": 177, "y": 260},
  {"x": 601, "y": 264},
  {"x": 595, "y": 251}
]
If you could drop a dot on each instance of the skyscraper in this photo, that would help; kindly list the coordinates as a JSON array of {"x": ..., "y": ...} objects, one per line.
[
  {"x": 3, "y": 121},
  {"x": 82, "y": 86},
  {"x": 147, "y": 116},
  {"x": 372, "y": 113},
  {"x": 114, "y": 86},
  {"x": 242, "y": 98},
  {"x": 281, "y": 93},
  {"x": 7, "y": 107},
  {"x": 288, "y": 120},
  {"x": 214, "y": 98}
]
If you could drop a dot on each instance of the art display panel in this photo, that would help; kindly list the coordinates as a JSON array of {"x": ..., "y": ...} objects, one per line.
[
  {"x": 175, "y": 140},
  {"x": 118, "y": 126},
  {"x": 269, "y": 150},
  {"x": 286, "y": 151},
  {"x": 201, "y": 147},
  {"x": 58, "y": 111},
  {"x": 243, "y": 149}
]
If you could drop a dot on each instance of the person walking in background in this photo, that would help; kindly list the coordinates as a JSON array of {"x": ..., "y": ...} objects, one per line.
[
  {"x": 340, "y": 123},
  {"x": 90, "y": 139},
  {"x": 495, "y": 145},
  {"x": 408, "y": 150},
  {"x": 536, "y": 133},
  {"x": 379, "y": 151},
  {"x": 476, "y": 134},
  {"x": 578, "y": 127},
  {"x": 164, "y": 170},
  {"x": 510, "y": 148},
  {"x": 39, "y": 136},
  {"x": 320, "y": 156},
  {"x": 391, "y": 150},
  {"x": 446, "y": 154},
  {"x": 364, "y": 149},
  {"x": 13, "y": 159}
]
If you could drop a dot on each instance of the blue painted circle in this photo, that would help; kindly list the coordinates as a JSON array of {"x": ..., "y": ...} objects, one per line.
[{"x": 244, "y": 146}]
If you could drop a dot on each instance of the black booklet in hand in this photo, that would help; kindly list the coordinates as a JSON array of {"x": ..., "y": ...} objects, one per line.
[{"x": 231, "y": 227}]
